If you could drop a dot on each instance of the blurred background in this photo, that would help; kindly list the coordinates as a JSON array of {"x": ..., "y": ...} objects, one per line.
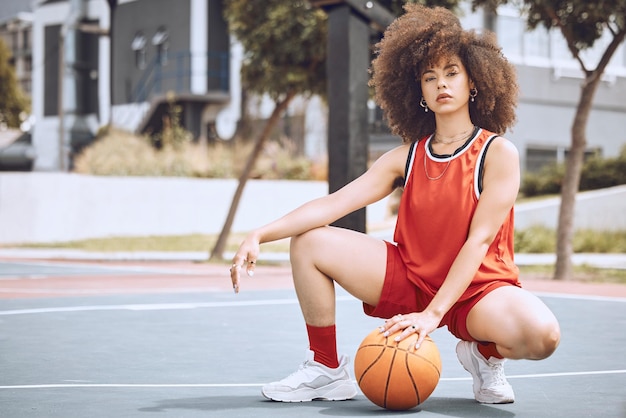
[{"x": 138, "y": 117}]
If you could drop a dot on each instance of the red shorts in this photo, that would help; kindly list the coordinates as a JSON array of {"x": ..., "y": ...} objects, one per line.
[{"x": 402, "y": 296}]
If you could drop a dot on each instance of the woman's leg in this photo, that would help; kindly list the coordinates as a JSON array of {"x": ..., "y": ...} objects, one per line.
[
  {"x": 514, "y": 324},
  {"x": 357, "y": 262},
  {"x": 319, "y": 258},
  {"x": 518, "y": 322}
]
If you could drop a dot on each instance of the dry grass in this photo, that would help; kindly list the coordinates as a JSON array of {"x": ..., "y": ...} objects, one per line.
[{"x": 119, "y": 153}]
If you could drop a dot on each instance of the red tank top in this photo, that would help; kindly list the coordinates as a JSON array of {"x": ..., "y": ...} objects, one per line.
[{"x": 439, "y": 199}]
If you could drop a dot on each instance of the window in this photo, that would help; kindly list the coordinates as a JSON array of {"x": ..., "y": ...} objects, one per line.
[
  {"x": 544, "y": 48},
  {"x": 161, "y": 41},
  {"x": 51, "y": 70},
  {"x": 510, "y": 31},
  {"x": 139, "y": 47},
  {"x": 539, "y": 156},
  {"x": 537, "y": 44},
  {"x": 15, "y": 43},
  {"x": 26, "y": 40}
]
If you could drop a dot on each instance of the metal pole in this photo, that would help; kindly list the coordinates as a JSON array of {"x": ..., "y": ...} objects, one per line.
[{"x": 349, "y": 27}]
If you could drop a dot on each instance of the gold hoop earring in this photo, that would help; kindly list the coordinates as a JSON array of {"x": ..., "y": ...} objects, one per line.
[
  {"x": 473, "y": 94},
  {"x": 424, "y": 105}
]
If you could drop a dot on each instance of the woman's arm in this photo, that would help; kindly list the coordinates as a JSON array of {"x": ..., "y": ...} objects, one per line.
[{"x": 376, "y": 183}]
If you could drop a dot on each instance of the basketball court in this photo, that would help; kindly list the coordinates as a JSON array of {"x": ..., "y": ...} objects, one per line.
[{"x": 171, "y": 339}]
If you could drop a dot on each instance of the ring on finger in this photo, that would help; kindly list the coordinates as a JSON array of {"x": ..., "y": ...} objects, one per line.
[{"x": 413, "y": 327}]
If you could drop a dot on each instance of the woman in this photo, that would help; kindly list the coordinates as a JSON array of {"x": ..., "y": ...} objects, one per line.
[{"x": 447, "y": 93}]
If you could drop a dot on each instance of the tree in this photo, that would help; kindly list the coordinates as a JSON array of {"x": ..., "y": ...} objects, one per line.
[
  {"x": 13, "y": 102},
  {"x": 285, "y": 55},
  {"x": 582, "y": 24},
  {"x": 285, "y": 47}
]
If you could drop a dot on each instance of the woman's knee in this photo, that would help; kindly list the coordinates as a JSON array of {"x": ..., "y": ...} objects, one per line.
[
  {"x": 303, "y": 243},
  {"x": 529, "y": 330},
  {"x": 543, "y": 340}
]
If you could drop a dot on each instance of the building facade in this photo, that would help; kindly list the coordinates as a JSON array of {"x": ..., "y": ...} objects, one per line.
[
  {"x": 550, "y": 86},
  {"x": 128, "y": 63},
  {"x": 123, "y": 64}
]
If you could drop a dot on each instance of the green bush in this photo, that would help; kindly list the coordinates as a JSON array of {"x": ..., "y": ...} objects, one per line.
[
  {"x": 597, "y": 173},
  {"x": 547, "y": 181},
  {"x": 588, "y": 241},
  {"x": 535, "y": 240},
  {"x": 543, "y": 240}
]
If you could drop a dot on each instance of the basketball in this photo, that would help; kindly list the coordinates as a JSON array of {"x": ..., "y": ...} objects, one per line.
[{"x": 395, "y": 375}]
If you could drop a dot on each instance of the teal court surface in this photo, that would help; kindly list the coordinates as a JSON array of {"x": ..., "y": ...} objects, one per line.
[{"x": 129, "y": 339}]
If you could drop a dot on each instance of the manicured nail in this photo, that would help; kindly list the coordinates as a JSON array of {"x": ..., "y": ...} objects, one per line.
[
  {"x": 381, "y": 329},
  {"x": 386, "y": 334},
  {"x": 250, "y": 273}
]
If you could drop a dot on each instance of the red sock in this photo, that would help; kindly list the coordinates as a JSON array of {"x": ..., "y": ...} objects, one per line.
[
  {"x": 489, "y": 350},
  {"x": 323, "y": 343}
]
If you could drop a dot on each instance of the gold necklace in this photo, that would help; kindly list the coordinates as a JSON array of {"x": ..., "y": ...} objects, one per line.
[
  {"x": 440, "y": 175},
  {"x": 461, "y": 137}
]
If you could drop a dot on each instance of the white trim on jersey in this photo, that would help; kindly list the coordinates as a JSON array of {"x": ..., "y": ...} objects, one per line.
[{"x": 480, "y": 163}]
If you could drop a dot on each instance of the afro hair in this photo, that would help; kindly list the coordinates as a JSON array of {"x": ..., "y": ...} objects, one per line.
[{"x": 422, "y": 36}]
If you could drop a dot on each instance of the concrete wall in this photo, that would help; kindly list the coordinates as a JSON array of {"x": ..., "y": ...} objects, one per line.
[
  {"x": 53, "y": 207},
  {"x": 603, "y": 209}
]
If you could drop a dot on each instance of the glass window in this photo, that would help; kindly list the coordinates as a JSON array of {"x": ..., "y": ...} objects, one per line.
[
  {"x": 139, "y": 47},
  {"x": 26, "y": 37},
  {"x": 558, "y": 47},
  {"x": 537, "y": 43},
  {"x": 161, "y": 41},
  {"x": 510, "y": 30},
  {"x": 15, "y": 44},
  {"x": 539, "y": 157}
]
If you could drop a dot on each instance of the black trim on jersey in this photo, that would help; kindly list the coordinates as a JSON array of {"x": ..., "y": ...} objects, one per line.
[
  {"x": 456, "y": 151},
  {"x": 408, "y": 161},
  {"x": 481, "y": 163}
]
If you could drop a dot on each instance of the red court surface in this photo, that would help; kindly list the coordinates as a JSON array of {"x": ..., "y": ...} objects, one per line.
[{"x": 56, "y": 278}]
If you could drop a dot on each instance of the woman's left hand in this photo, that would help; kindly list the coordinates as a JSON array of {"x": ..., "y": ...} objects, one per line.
[
  {"x": 246, "y": 256},
  {"x": 420, "y": 323}
]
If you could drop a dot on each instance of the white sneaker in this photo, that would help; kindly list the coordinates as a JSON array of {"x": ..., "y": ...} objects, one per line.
[
  {"x": 490, "y": 385},
  {"x": 313, "y": 381}
]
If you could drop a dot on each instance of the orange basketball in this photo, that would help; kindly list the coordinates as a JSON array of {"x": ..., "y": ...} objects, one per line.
[{"x": 395, "y": 375}]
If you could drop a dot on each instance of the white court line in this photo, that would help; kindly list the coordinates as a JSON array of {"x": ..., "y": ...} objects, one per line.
[
  {"x": 108, "y": 291},
  {"x": 160, "y": 306},
  {"x": 87, "y": 269},
  {"x": 191, "y": 305},
  {"x": 150, "y": 307},
  {"x": 584, "y": 297},
  {"x": 236, "y": 385}
]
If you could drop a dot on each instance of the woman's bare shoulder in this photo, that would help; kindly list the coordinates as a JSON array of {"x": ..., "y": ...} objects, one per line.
[
  {"x": 503, "y": 148},
  {"x": 395, "y": 159}
]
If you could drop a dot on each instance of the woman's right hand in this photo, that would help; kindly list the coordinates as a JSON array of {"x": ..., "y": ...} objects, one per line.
[
  {"x": 420, "y": 323},
  {"x": 246, "y": 256}
]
